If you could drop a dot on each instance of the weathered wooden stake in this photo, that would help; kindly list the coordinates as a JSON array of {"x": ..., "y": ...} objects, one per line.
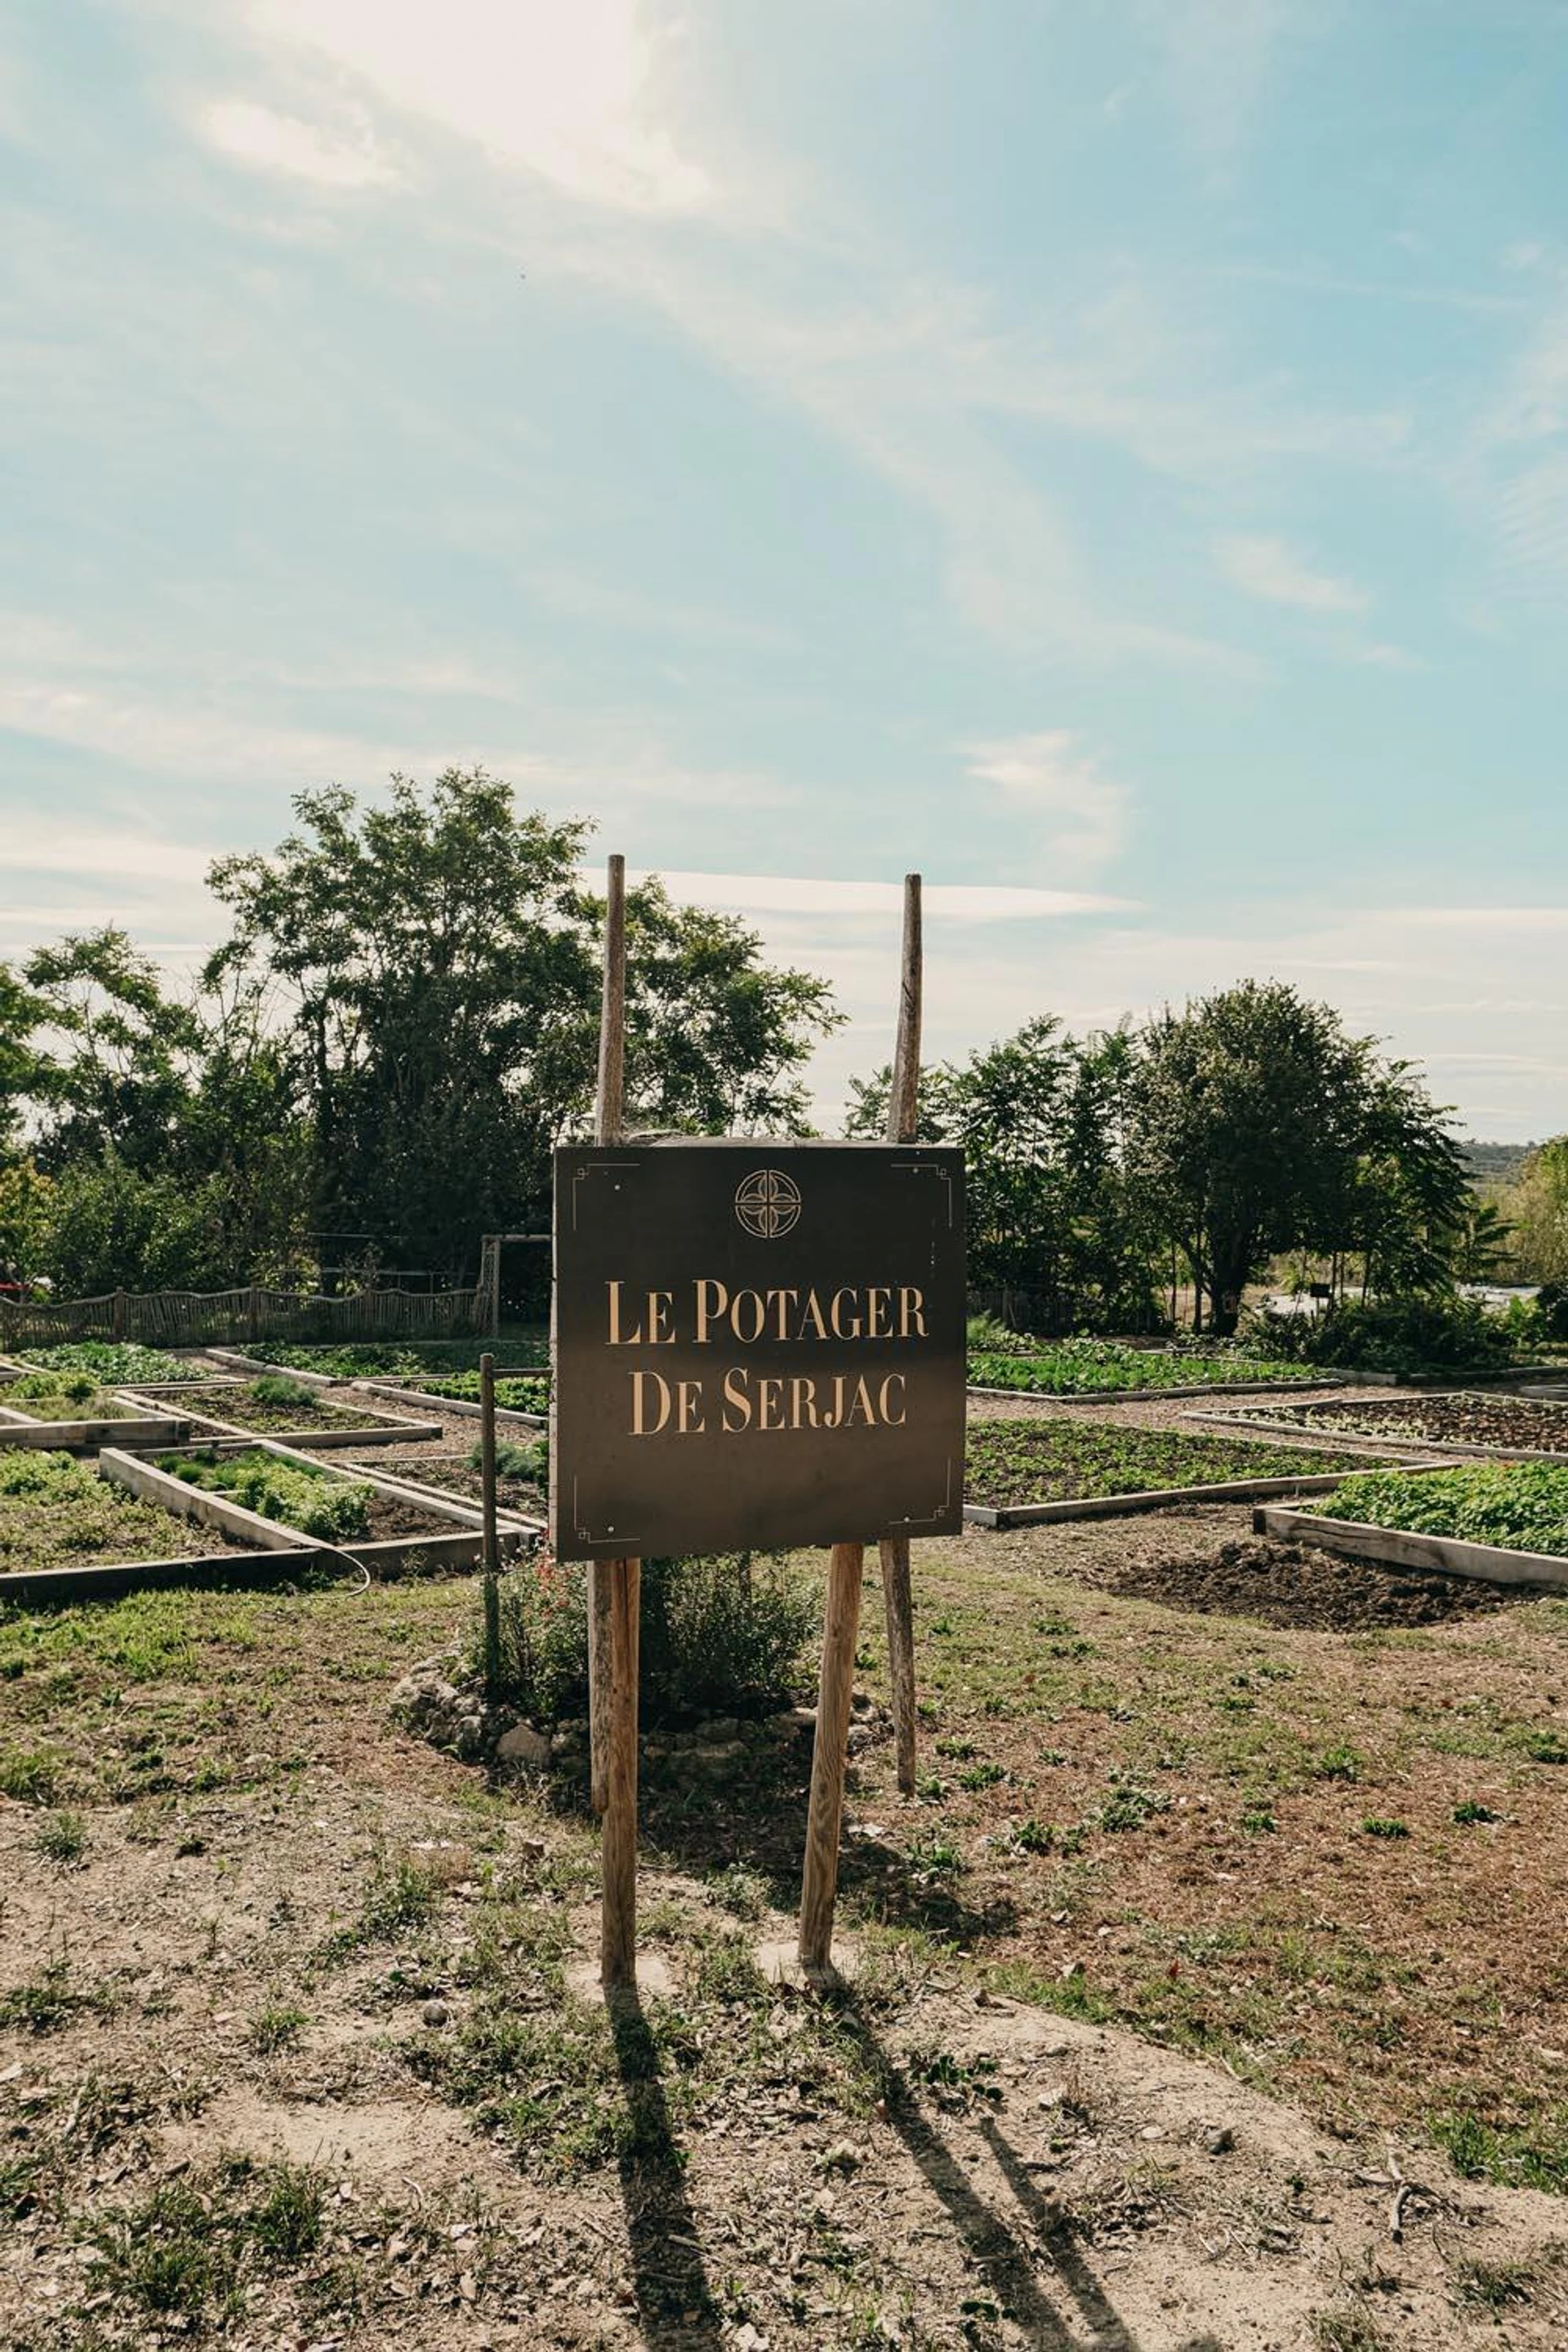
[
  {"x": 608, "y": 1118},
  {"x": 615, "y": 1586},
  {"x": 903, "y": 1112},
  {"x": 819, "y": 1883},
  {"x": 491, "y": 1538}
]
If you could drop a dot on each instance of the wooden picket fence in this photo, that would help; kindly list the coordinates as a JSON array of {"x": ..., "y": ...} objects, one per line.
[{"x": 196, "y": 1319}]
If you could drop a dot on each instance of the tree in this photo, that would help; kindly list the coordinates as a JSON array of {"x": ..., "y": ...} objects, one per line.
[
  {"x": 1481, "y": 1245},
  {"x": 1537, "y": 1206},
  {"x": 1041, "y": 1119},
  {"x": 1261, "y": 1125},
  {"x": 27, "y": 1075},
  {"x": 125, "y": 1083},
  {"x": 440, "y": 960}
]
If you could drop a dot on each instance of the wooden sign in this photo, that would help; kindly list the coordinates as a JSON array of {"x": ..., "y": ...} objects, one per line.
[{"x": 757, "y": 1344}]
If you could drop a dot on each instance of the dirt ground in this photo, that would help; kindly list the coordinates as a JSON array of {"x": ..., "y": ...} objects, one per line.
[{"x": 297, "y": 2046}]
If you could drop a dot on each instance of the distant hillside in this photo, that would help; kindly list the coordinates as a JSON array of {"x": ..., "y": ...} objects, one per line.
[{"x": 1495, "y": 1163}]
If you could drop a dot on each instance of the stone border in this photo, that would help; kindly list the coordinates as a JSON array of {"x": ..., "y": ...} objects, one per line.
[
  {"x": 1157, "y": 1396},
  {"x": 1444, "y": 1447},
  {"x": 1149, "y": 1498},
  {"x": 456, "y": 1405},
  {"x": 1402, "y": 1548}
]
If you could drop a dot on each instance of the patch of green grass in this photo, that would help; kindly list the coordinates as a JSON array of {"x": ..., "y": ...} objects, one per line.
[
  {"x": 1349, "y": 2329},
  {"x": 61, "y": 1839},
  {"x": 1130, "y": 1805},
  {"x": 981, "y": 1776},
  {"x": 1532, "y": 2154},
  {"x": 1493, "y": 2286},
  {"x": 277, "y": 2027},
  {"x": 1540, "y": 1743},
  {"x": 187, "y": 2248},
  {"x": 46, "y": 2002},
  {"x": 1336, "y": 1763},
  {"x": 1258, "y": 1822},
  {"x": 29, "y": 1776},
  {"x": 1472, "y": 1811},
  {"x": 1379, "y": 1825}
]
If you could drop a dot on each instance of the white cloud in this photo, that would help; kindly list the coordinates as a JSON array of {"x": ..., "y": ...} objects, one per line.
[
  {"x": 1267, "y": 568},
  {"x": 282, "y": 142},
  {"x": 562, "y": 87},
  {"x": 969, "y": 902},
  {"x": 1082, "y": 815}
]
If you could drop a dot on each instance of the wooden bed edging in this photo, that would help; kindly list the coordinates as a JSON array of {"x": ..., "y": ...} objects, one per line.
[
  {"x": 383, "y": 1431},
  {"x": 1402, "y": 1548},
  {"x": 244, "y": 1363},
  {"x": 418, "y": 1492},
  {"x": 150, "y": 1485},
  {"x": 454, "y": 1404},
  {"x": 1151, "y": 1396},
  {"x": 112, "y": 1580},
  {"x": 1434, "y": 1446},
  {"x": 1153, "y": 1498},
  {"x": 90, "y": 1436}
]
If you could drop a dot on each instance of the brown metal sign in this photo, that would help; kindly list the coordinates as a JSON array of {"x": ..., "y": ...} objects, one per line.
[{"x": 756, "y": 1344}]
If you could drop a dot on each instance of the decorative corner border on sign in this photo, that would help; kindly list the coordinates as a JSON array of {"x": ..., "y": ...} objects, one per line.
[
  {"x": 928, "y": 1168},
  {"x": 596, "y": 1167}
]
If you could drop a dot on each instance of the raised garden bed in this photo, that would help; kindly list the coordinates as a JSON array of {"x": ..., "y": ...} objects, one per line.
[
  {"x": 1070, "y": 1368},
  {"x": 520, "y": 1492},
  {"x": 269, "y": 1486},
  {"x": 66, "y": 1531},
  {"x": 279, "y": 1405},
  {"x": 361, "y": 1359},
  {"x": 70, "y": 1412},
  {"x": 115, "y": 1363},
  {"x": 1512, "y": 1425},
  {"x": 1021, "y": 1472},
  {"x": 522, "y": 1399},
  {"x": 1505, "y": 1521}
]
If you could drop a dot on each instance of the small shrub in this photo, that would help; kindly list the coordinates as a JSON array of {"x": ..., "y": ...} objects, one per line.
[
  {"x": 714, "y": 1637},
  {"x": 1444, "y": 1333},
  {"x": 277, "y": 1389}
]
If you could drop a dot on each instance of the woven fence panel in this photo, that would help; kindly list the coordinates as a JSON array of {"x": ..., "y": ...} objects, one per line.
[{"x": 196, "y": 1318}]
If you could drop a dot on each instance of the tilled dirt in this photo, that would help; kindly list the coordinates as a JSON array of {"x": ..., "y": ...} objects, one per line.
[
  {"x": 1296, "y": 1584},
  {"x": 1469, "y": 1418}
]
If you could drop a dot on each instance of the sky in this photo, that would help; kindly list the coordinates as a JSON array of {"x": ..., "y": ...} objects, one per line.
[{"x": 1111, "y": 456}]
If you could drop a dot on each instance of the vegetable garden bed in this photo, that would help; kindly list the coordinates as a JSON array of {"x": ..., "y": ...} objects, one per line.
[
  {"x": 520, "y": 1491},
  {"x": 1069, "y": 1368},
  {"x": 280, "y": 1405},
  {"x": 1020, "y": 1472},
  {"x": 1505, "y": 1521},
  {"x": 1511, "y": 1425},
  {"x": 360, "y": 1514},
  {"x": 115, "y": 1363},
  {"x": 521, "y": 1398},
  {"x": 67, "y": 1531},
  {"x": 69, "y": 1411},
  {"x": 381, "y": 1358}
]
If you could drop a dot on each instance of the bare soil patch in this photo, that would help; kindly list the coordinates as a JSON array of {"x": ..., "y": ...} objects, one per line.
[
  {"x": 286, "y": 1993},
  {"x": 1467, "y": 1418}
]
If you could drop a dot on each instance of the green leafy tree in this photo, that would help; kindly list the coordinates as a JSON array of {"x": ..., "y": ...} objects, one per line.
[
  {"x": 441, "y": 961},
  {"x": 123, "y": 1084},
  {"x": 1261, "y": 1125},
  {"x": 1042, "y": 1120},
  {"x": 1537, "y": 1207},
  {"x": 28, "y": 1073}
]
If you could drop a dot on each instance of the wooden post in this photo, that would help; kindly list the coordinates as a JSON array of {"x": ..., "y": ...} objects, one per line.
[
  {"x": 903, "y": 1113},
  {"x": 491, "y": 1538},
  {"x": 608, "y": 1116},
  {"x": 819, "y": 1883},
  {"x": 615, "y": 1586}
]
